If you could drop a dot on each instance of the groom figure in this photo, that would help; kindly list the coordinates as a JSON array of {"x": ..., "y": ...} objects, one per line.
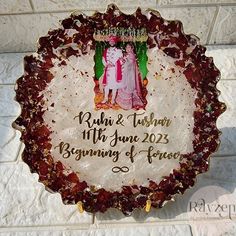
[{"x": 112, "y": 72}]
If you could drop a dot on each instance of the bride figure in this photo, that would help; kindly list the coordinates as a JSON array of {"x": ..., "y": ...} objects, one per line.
[{"x": 130, "y": 92}]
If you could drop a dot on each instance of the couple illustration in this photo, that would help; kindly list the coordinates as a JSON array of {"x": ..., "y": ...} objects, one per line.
[{"x": 121, "y": 76}]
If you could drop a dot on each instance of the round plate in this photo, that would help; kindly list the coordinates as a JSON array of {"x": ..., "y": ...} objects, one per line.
[{"x": 126, "y": 133}]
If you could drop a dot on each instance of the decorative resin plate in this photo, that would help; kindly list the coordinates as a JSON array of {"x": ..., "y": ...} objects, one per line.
[{"x": 118, "y": 111}]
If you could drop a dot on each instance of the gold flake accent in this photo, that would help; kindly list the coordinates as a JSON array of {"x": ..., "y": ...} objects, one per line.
[
  {"x": 80, "y": 207},
  {"x": 148, "y": 205}
]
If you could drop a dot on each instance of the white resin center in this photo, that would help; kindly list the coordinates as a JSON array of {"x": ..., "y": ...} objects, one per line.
[{"x": 169, "y": 97}]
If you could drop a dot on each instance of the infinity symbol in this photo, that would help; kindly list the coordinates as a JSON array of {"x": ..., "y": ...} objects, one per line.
[{"x": 117, "y": 169}]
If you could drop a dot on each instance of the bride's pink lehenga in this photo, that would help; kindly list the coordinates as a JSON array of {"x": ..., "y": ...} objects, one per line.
[{"x": 130, "y": 94}]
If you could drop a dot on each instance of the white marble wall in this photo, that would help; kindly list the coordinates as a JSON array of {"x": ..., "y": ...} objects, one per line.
[{"x": 23, "y": 21}]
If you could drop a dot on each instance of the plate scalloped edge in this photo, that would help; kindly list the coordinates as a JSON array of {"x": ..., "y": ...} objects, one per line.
[{"x": 168, "y": 36}]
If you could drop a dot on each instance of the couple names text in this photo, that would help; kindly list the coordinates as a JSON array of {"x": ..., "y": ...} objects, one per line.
[{"x": 95, "y": 130}]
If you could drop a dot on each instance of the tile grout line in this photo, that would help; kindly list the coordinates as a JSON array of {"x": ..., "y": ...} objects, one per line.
[
  {"x": 103, "y": 9},
  {"x": 69, "y": 11},
  {"x": 82, "y": 226},
  {"x": 94, "y": 219},
  {"x": 197, "y": 5},
  {"x": 217, "y": 179},
  {"x": 191, "y": 230},
  {"x": 19, "y": 153},
  {"x": 7, "y": 84},
  {"x": 213, "y": 24},
  {"x": 161, "y": 222},
  {"x": 108, "y": 225},
  {"x": 217, "y": 156},
  {"x": 22, "y": 52},
  {"x": 15, "y": 116},
  {"x": 31, "y": 5},
  {"x": 226, "y": 79},
  {"x": 9, "y": 163},
  {"x": 36, "y": 13}
]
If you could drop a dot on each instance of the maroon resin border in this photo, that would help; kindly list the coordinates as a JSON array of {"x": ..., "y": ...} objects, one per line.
[{"x": 198, "y": 69}]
